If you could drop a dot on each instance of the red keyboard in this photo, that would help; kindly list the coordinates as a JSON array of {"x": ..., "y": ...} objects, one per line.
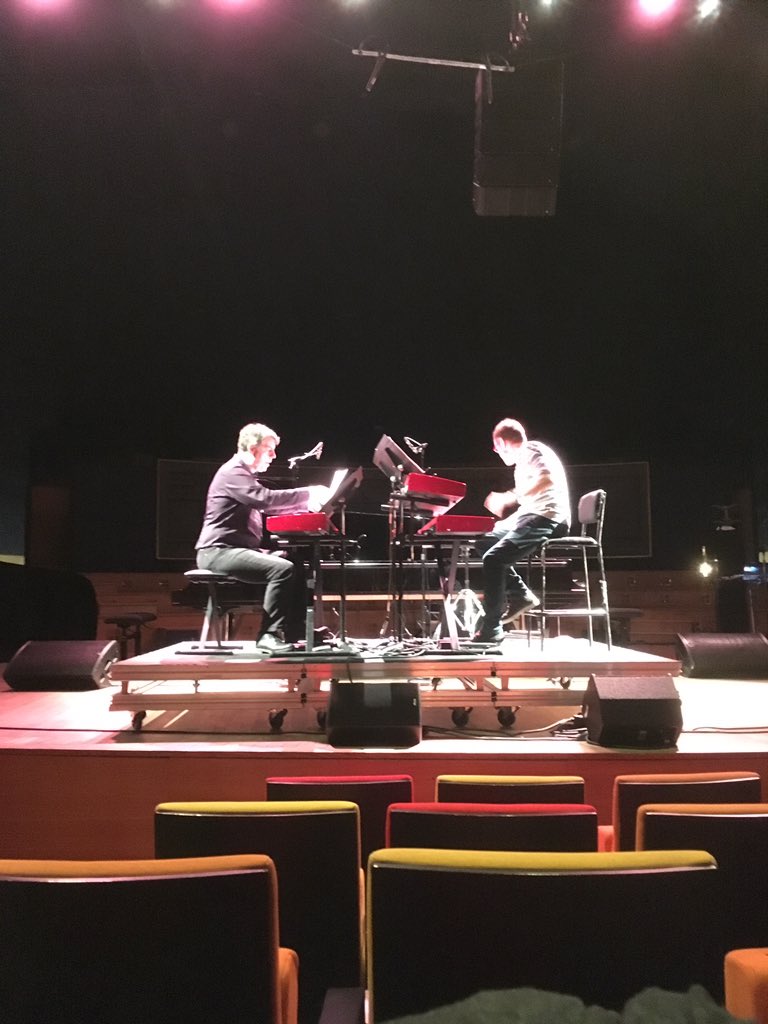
[
  {"x": 315, "y": 524},
  {"x": 470, "y": 526},
  {"x": 433, "y": 493}
]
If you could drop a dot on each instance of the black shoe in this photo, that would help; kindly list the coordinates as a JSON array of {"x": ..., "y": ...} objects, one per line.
[
  {"x": 271, "y": 643},
  {"x": 490, "y": 635},
  {"x": 520, "y": 607}
]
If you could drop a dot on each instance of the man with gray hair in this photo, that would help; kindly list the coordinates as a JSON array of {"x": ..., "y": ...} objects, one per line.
[{"x": 231, "y": 539}]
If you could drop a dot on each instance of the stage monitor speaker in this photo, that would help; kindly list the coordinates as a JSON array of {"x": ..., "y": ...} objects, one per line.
[
  {"x": 723, "y": 655},
  {"x": 637, "y": 711},
  {"x": 61, "y": 665},
  {"x": 373, "y": 714},
  {"x": 518, "y": 121}
]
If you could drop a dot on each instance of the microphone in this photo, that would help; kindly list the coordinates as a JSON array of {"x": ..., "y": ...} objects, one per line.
[
  {"x": 417, "y": 447},
  {"x": 315, "y": 452}
]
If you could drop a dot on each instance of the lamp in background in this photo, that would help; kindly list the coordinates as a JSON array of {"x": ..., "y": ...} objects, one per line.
[{"x": 707, "y": 567}]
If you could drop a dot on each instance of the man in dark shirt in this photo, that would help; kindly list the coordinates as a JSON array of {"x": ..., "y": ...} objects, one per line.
[{"x": 231, "y": 538}]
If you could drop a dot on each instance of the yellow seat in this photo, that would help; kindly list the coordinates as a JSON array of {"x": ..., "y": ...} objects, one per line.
[
  {"x": 315, "y": 845},
  {"x": 510, "y": 789},
  {"x": 444, "y": 924},
  {"x": 124, "y": 941}
]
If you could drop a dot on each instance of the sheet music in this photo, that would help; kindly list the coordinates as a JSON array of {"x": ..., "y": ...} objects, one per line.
[{"x": 336, "y": 481}]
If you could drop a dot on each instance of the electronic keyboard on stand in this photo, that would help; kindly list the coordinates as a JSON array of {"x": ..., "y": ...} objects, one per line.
[
  {"x": 451, "y": 534},
  {"x": 413, "y": 493},
  {"x": 317, "y": 531}
]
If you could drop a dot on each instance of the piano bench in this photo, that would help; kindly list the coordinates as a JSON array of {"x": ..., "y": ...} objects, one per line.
[
  {"x": 130, "y": 625},
  {"x": 217, "y": 622}
]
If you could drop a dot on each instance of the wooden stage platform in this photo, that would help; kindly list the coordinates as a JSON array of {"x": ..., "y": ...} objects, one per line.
[
  {"x": 206, "y": 677},
  {"x": 78, "y": 779}
]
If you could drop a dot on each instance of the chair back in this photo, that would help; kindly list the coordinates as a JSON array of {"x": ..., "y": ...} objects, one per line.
[
  {"x": 466, "y": 826},
  {"x": 591, "y": 514},
  {"x": 444, "y": 924},
  {"x": 372, "y": 793},
  {"x": 316, "y": 849},
  {"x": 632, "y": 791},
  {"x": 737, "y": 837},
  {"x": 510, "y": 789},
  {"x": 124, "y": 941}
]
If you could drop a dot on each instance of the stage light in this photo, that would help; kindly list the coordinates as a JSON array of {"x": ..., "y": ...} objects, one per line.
[
  {"x": 43, "y": 6},
  {"x": 707, "y": 9},
  {"x": 234, "y": 6},
  {"x": 656, "y": 10},
  {"x": 707, "y": 567}
]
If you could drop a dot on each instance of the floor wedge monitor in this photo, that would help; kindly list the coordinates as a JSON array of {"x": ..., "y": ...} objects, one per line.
[
  {"x": 61, "y": 665},
  {"x": 723, "y": 655},
  {"x": 373, "y": 714},
  {"x": 639, "y": 712}
]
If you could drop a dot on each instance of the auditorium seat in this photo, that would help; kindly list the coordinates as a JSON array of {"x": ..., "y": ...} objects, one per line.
[
  {"x": 316, "y": 849},
  {"x": 632, "y": 791},
  {"x": 510, "y": 789},
  {"x": 746, "y": 984},
  {"x": 443, "y": 924},
  {"x": 372, "y": 793},
  {"x": 466, "y": 826},
  {"x": 737, "y": 837},
  {"x": 193, "y": 940}
]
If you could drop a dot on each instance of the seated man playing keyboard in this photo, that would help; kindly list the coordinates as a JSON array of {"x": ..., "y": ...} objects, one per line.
[
  {"x": 231, "y": 537},
  {"x": 542, "y": 509}
]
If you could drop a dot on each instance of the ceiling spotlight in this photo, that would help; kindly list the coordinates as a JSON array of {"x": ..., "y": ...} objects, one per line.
[
  {"x": 656, "y": 10},
  {"x": 706, "y": 9}
]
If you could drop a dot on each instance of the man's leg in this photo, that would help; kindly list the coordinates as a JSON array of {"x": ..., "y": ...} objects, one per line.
[
  {"x": 500, "y": 578},
  {"x": 249, "y": 566}
]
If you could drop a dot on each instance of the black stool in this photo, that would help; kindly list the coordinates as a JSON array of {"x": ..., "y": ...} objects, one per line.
[
  {"x": 130, "y": 626},
  {"x": 217, "y": 623}
]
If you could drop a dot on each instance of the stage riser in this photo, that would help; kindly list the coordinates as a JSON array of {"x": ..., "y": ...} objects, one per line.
[{"x": 92, "y": 804}]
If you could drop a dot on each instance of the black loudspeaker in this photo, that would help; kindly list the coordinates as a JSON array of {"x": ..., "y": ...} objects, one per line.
[
  {"x": 373, "y": 714},
  {"x": 518, "y": 120},
  {"x": 723, "y": 655},
  {"x": 635, "y": 711},
  {"x": 61, "y": 665}
]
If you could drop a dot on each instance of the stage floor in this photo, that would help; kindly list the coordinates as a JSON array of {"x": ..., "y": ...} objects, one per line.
[{"x": 197, "y": 677}]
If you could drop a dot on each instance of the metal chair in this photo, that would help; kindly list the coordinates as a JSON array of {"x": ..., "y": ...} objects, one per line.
[{"x": 589, "y": 545}]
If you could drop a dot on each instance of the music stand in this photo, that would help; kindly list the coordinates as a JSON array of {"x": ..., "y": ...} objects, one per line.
[
  {"x": 394, "y": 463},
  {"x": 390, "y": 458}
]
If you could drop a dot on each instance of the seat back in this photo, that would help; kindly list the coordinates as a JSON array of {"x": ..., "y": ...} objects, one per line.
[
  {"x": 746, "y": 984},
  {"x": 316, "y": 848},
  {"x": 737, "y": 837},
  {"x": 510, "y": 789},
  {"x": 632, "y": 791},
  {"x": 126, "y": 941},
  {"x": 597, "y": 926},
  {"x": 591, "y": 514},
  {"x": 372, "y": 793},
  {"x": 468, "y": 826}
]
